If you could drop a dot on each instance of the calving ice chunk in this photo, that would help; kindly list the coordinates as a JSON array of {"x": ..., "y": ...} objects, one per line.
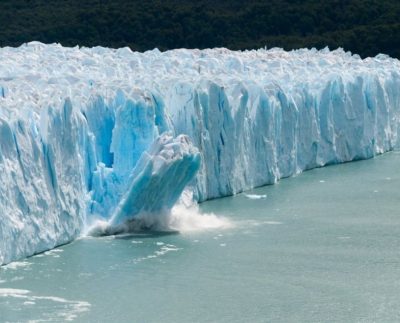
[
  {"x": 97, "y": 134},
  {"x": 154, "y": 186},
  {"x": 159, "y": 178}
]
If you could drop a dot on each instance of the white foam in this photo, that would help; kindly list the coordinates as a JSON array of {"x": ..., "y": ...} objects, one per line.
[
  {"x": 158, "y": 253},
  {"x": 12, "y": 292},
  {"x": 256, "y": 223},
  {"x": 53, "y": 253},
  {"x": 272, "y": 222},
  {"x": 165, "y": 249},
  {"x": 17, "y": 265}
]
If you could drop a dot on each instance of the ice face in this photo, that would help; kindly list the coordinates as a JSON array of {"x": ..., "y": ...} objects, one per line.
[{"x": 96, "y": 133}]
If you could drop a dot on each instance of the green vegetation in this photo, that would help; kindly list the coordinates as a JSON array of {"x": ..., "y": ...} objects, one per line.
[{"x": 366, "y": 27}]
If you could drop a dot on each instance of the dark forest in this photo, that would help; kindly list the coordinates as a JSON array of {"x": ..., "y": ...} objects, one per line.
[{"x": 365, "y": 27}]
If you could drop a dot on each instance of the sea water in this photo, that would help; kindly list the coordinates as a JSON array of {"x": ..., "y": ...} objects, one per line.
[{"x": 320, "y": 247}]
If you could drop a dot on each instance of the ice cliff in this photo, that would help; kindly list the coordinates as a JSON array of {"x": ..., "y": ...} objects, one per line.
[{"x": 96, "y": 133}]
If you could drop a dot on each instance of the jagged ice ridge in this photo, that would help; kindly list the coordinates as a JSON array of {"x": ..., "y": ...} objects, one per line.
[{"x": 97, "y": 133}]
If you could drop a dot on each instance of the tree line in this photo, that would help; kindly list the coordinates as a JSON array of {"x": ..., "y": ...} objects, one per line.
[{"x": 365, "y": 27}]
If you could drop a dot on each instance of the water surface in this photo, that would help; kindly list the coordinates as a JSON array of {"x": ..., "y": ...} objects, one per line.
[{"x": 322, "y": 246}]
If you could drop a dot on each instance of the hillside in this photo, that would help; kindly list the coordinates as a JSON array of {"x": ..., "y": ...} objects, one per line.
[{"x": 367, "y": 27}]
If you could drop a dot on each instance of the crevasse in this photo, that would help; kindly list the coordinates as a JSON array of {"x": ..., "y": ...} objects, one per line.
[{"x": 96, "y": 133}]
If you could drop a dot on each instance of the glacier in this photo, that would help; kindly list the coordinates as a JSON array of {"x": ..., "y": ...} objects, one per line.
[{"x": 111, "y": 135}]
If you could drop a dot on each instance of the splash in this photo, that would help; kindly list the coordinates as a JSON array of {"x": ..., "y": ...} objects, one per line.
[{"x": 184, "y": 217}]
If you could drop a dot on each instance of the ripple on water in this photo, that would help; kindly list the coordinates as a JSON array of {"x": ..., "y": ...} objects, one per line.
[
  {"x": 62, "y": 309},
  {"x": 165, "y": 248}
]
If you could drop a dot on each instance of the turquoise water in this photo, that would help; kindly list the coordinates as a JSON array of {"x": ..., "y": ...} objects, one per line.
[{"x": 320, "y": 247}]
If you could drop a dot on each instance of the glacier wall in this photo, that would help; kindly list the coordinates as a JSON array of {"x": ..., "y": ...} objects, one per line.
[{"x": 96, "y": 133}]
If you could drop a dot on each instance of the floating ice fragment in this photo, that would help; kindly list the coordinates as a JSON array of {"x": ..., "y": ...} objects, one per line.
[{"x": 256, "y": 196}]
